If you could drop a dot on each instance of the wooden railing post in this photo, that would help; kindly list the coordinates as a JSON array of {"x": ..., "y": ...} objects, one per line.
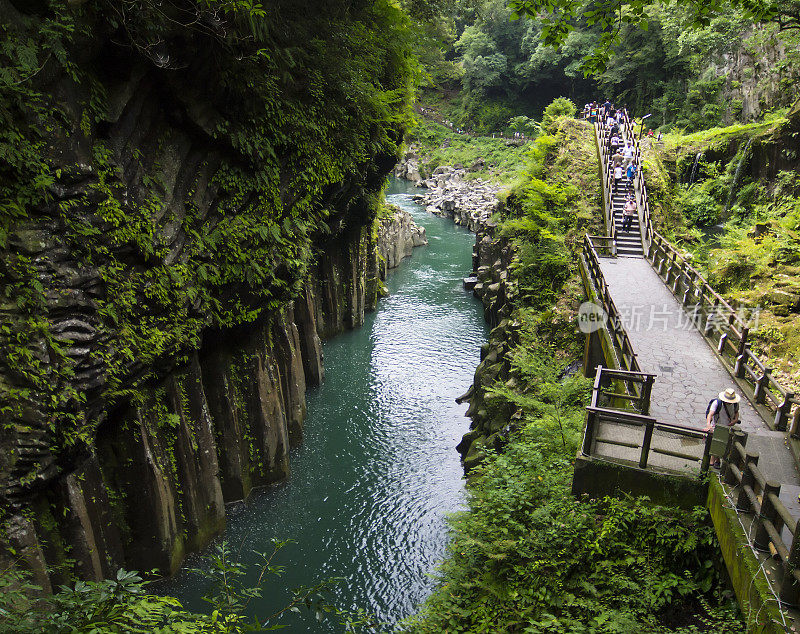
[
  {"x": 648, "y": 437},
  {"x": 790, "y": 586},
  {"x": 711, "y": 318},
  {"x": 689, "y": 287},
  {"x": 761, "y": 383},
  {"x": 707, "y": 452},
  {"x": 794, "y": 426},
  {"x": 782, "y": 415},
  {"x": 743, "y": 341},
  {"x": 647, "y": 390},
  {"x": 588, "y": 434},
  {"x": 732, "y": 457},
  {"x": 768, "y": 513},
  {"x": 741, "y": 361},
  {"x": 743, "y": 502}
]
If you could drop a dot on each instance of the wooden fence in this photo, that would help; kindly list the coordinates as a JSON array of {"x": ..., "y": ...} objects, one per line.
[
  {"x": 625, "y": 356},
  {"x": 725, "y": 326},
  {"x": 626, "y": 434},
  {"x": 607, "y": 177}
]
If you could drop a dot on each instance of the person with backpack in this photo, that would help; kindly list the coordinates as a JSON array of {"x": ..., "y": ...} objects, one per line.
[
  {"x": 631, "y": 174},
  {"x": 724, "y": 408}
]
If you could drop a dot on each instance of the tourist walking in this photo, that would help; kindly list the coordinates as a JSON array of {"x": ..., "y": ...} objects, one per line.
[
  {"x": 617, "y": 177},
  {"x": 631, "y": 174},
  {"x": 614, "y": 143},
  {"x": 628, "y": 153},
  {"x": 628, "y": 213},
  {"x": 725, "y": 408}
]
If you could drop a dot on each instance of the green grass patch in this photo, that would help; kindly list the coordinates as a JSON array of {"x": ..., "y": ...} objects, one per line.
[{"x": 502, "y": 159}]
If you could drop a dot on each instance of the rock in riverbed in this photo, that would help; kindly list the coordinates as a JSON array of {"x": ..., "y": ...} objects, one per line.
[{"x": 470, "y": 203}]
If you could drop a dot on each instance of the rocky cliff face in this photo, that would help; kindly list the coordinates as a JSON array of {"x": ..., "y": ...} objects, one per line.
[
  {"x": 178, "y": 233},
  {"x": 157, "y": 480},
  {"x": 497, "y": 291},
  {"x": 759, "y": 71}
]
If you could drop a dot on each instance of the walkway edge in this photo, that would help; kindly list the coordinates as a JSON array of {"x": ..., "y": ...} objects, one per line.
[{"x": 745, "y": 570}]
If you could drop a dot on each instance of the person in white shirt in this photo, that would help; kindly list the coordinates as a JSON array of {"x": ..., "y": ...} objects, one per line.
[
  {"x": 617, "y": 177},
  {"x": 627, "y": 154}
]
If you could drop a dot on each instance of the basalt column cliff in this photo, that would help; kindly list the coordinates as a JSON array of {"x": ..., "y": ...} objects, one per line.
[{"x": 187, "y": 206}]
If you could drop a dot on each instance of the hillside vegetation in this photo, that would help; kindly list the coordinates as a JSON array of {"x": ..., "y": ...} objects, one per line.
[
  {"x": 730, "y": 197},
  {"x": 526, "y": 555}
]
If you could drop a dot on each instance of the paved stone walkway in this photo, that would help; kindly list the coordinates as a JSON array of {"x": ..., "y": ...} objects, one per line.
[{"x": 689, "y": 373}]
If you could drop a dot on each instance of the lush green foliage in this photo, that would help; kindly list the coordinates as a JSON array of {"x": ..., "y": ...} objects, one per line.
[
  {"x": 560, "y": 107},
  {"x": 495, "y": 159},
  {"x": 554, "y": 199},
  {"x": 752, "y": 255},
  {"x": 526, "y": 555},
  {"x": 688, "y": 75},
  {"x": 296, "y": 102},
  {"x": 114, "y": 605},
  {"x": 562, "y": 15},
  {"x": 125, "y": 605}
]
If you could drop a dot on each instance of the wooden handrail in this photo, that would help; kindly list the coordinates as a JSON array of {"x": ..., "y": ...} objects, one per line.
[
  {"x": 626, "y": 357},
  {"x": 607, "y": 416}
]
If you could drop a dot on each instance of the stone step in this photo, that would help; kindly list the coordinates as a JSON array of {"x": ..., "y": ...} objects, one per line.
[{"x": 634, "y": 227}]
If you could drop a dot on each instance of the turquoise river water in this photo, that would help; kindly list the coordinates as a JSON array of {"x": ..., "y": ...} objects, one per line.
[{"x": 378, "y": 471}]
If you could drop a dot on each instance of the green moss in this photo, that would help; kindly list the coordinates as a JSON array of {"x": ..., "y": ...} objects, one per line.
[
  {"x": 500, "y": 159},
  {"x": 753, "y": 258},
  {"x": 527, "y": 555},
  {"x": 296, "y": 104}
]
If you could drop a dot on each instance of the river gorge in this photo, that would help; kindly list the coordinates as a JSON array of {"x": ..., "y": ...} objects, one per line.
[{"x": 377, "y": 471}]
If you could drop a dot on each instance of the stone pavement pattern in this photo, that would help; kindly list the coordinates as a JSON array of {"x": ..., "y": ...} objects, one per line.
[{"x": 689, "y": 373}]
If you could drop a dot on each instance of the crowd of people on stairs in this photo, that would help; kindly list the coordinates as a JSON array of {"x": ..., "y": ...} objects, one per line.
[{"x": 622, "y": 152}]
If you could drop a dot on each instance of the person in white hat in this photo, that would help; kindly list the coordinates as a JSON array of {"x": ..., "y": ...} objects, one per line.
[{"x": 726, "y": 405}]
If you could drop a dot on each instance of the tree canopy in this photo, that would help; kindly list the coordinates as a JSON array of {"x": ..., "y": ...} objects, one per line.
[{"x": 559, "y": 18}]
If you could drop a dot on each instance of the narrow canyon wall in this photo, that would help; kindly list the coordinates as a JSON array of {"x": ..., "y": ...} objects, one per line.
[
  {"x": 490, "y": 424},
  {"x": 188, "y": 212},
  {"x": 156, "y": 484}
]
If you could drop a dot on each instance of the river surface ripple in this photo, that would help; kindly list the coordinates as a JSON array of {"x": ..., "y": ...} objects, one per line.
[{"x": 377, "y": 472}]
